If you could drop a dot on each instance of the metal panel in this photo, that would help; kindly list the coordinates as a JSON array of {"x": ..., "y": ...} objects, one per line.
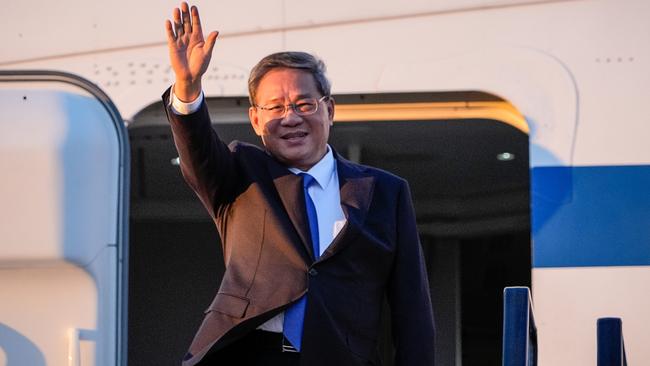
[{"x": 65, "y": 152}]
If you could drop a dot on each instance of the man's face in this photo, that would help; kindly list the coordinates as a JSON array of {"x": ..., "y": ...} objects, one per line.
[{"x": 296, "y": 141}]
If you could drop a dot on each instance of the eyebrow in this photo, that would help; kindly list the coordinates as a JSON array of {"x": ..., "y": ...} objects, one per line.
[{"x": 298, "y": 97}]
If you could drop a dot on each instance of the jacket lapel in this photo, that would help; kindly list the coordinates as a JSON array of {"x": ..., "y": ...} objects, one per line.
[
  {"x": 356, "y": 189},
  {"x": 289, "y": 188}
]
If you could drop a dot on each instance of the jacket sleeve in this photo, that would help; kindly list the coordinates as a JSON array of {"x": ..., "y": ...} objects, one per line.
[
  {"x": 207, "y": 164},
  {"x": 408, "y": 292}
]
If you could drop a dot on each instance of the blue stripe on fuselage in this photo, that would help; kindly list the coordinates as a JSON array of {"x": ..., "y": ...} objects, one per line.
[{"x": 591, "y": 216}]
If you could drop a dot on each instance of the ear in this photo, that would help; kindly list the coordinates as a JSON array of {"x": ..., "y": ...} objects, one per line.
[
  {"x": 253, "y": 115},
  {"x": 330, "y": 109}
]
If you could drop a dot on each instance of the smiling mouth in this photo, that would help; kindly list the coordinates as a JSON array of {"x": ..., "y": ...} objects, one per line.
[{"x": 294, "y": 135}]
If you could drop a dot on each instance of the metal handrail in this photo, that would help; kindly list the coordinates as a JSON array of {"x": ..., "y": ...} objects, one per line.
[
  {"x": 611, "y": 347},
  {"x": 519, "y": 330}
]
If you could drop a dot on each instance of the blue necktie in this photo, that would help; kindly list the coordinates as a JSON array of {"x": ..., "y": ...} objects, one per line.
[{"x": 295, "y": 314}]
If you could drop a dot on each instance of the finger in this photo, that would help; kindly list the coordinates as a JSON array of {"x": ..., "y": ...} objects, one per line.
[
  {"x": 171, "y": 38},
  {"x": 187, "y": 24},
  {"x": 209, "y": 43},
  {"x": 196, "y": 20},
  {"x": 178, "y": 26}
]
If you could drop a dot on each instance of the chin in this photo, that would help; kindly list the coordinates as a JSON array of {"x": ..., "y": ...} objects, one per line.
[{"x": 295, "y": 162}]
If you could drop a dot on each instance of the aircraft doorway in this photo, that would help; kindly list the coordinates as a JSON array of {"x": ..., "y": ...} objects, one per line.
[
  {"x": 465, "y": 157},
  {"x": 469, "y": 179}
]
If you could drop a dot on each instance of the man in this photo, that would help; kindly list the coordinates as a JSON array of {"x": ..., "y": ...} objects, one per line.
[{"x": 312, "y": 242}]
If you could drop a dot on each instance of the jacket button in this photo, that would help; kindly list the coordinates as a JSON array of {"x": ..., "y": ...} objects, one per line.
[{"x": 313, "y": 272}]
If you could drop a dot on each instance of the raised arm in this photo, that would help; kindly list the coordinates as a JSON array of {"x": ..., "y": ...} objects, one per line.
[
  {"x": 206, "y": 162},
  {"x": 189, "y": 51}
]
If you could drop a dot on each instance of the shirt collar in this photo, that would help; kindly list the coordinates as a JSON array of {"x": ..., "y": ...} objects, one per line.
[{"x": 322, "y": 171}]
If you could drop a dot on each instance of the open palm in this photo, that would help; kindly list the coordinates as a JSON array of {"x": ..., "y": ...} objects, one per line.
[{"x": 189, "y": 52}]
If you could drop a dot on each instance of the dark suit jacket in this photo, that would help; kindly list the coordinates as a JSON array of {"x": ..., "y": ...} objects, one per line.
[{"x": 258, "y": 208}]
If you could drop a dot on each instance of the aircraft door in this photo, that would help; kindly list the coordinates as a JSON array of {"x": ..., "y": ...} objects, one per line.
[{"x": 64, "y": 163}]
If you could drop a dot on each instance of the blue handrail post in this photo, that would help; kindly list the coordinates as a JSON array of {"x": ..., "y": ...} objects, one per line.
[
  {"x": 519, "y": 331},
  {"x": 611, "y": 348}
]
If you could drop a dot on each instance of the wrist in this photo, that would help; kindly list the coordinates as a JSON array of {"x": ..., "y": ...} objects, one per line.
[{"x": 187, "y": 91}]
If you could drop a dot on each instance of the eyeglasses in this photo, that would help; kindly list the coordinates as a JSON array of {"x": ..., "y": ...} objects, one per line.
[{"x": 303, "y": 107}]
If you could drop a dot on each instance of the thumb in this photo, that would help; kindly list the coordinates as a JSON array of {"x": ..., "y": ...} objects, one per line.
[{"x": 210, "y": 41}]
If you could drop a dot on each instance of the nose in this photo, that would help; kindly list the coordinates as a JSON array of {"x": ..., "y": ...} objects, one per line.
[{"x": 291, "y": 118}]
